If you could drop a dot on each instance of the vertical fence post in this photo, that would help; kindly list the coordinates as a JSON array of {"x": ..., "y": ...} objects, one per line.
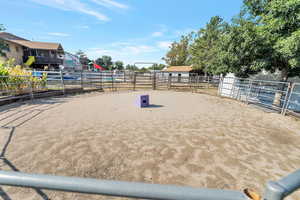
[
  {"x": 31, "y": 89},
  {"x": 154, "y": 81},
  {"x": 220, "y": 86},
  {"x": 232, "y": 88},
  {"x": 134, "y": 80},
  {"x": 249, "y": 91},
  {"x": 81, "y": 80},
  {"x": 101, "y": 81},
  {"x": 112, "y": 81},
  {"x": 62, "y": 81},
  {"x": 207, "y": 81},
  {"x": 169, "y": 82},
  {"x": 288, "y": 96},
  {"x": 124, "y": 76}
]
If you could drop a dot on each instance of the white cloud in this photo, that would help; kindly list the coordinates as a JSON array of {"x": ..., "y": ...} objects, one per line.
[
  {"x": 73, "y": 5},
  {"x": 59, "y": 34},
  {"x": 82, "y": 27},
  {"x": 125, "y": 51},
  {"x": 164, "y": 44},
  {"x": 157, "y": 34},
  {"x": 110, "y": 3}
]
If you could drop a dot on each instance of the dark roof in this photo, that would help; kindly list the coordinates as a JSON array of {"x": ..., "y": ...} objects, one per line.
[
  {"x": 30, "y": 44},
  {"x": 38, "y": 45},
  {"x": 9, "y": 36}
]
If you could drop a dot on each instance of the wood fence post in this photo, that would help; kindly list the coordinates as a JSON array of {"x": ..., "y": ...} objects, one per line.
[
  {"x": 31, "y": 89},
  {"x": 154, "y": 81},
  {"x": 62, "y": 81},
  {"x": 81, "y": 80},
  {"x": 169, "y": 82},
  {"x": 134, "y": 80},
  {"x": 208, "y": 81}
]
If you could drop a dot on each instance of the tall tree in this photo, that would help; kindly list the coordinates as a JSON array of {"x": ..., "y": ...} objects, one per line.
[
  {"x": 279, "y": 25},
  {"x": 178, "y": 53},
  {"x": 84, "y": 60},
  {"x": 242, "y": 50},
  {"x": 157, "y": 67},
  {"x": 107, "y": 62},
  {"x": 204, "y": 49},
  {"x": 131, "y": 67},
  {"x": 3, "y": 46},
  {"x": 119, "y": 65}
]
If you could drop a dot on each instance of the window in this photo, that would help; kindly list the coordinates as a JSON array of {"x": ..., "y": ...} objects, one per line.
[
  {"x": 52, "y": 54},
  {"x": 17, "y": 49},
  {"x": 7, "y": 48}
]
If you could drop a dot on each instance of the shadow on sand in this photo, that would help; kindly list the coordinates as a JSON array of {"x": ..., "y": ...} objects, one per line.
[
  {"x": 23, "y": 116},
  {"x": 154, "y": 106}
]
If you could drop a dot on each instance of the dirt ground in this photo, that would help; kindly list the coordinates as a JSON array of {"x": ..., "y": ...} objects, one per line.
[{"x": 183, "y": 138}]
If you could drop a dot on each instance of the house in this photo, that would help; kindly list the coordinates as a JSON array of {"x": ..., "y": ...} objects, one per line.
[
  {"x": 44, "y": 53},
  {"x": 178, "y": 71},
  {"x": 13, "y": 50}
]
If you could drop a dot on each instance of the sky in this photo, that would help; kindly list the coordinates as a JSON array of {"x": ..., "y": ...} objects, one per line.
[{"x": 127, "y": 30}]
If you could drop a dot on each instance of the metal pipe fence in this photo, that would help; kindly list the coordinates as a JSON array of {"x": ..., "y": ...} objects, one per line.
[
  {"x": 40, "y": 83},
  {"x": 273, "y": 191},
  {"x": 283, "y": 97}
]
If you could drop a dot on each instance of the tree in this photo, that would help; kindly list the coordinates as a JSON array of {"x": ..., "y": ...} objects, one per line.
[
  {"x": 178, "y": 53},
  {"x": 278, "y": 22},
  {"x": 119, "y": 65},
  {"x": 3, "y": 46},
  {"x": 99, "y": 61},
  {"x": 242, "y": 49},
  {"x": 205, "y": 47},
  {"x": 157, "y": 67},
  {"x": 107, "y": 62},
  {"x": 84, "y": 60},
  {"x": 131, "y": 67},
  {"x": 143, "y": 70}
]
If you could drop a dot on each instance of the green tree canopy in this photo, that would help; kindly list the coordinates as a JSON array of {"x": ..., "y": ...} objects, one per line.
[
  {"x": 119, "y": 65},
  {"x": 131, "y": 67},
  {"x": 84, "y": 60},
  {"x": 278, "y": 22},
  {"x": 205, "y": 47},
  {"x": 105, "y": 62},
  {"x": 3, "y": 46},
  {"x": 243, "y": 50},
  {"x": 157, "y": 67},
  {"x": 178, "y": 53}
]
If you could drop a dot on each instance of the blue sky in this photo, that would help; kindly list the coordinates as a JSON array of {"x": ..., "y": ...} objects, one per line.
[{"x": 127, "y": 30}]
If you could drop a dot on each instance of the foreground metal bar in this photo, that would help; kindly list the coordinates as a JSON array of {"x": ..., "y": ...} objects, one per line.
[
  {"x": 116, "y": 188},
  {"x": 282, "y": 188}
]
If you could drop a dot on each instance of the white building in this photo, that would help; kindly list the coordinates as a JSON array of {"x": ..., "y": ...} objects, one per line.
[{"x": 178, "y": 71}]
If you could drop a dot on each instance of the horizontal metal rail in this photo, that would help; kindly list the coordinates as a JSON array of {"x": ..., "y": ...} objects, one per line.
[
  {"x": 280, "y": 189},
  {"x": 116, "y": 188}
]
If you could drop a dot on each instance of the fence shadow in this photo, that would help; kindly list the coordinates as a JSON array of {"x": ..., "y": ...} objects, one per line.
[
  {"x": 22, "y": 116},
  {"x": 4, "y": 195},
  {"x": 25, "y": 115}
]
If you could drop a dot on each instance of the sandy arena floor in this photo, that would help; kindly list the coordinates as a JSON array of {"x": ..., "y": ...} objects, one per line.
[{"x": 184, "y": 139}]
